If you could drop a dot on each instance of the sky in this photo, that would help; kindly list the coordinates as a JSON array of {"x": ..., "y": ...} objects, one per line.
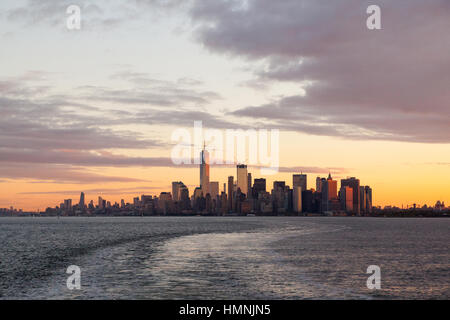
[{"x": 95, "y": 109}]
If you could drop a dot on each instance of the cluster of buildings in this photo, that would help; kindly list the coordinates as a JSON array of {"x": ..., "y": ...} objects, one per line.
[
  {"x": 246, "y": 195},
  {"x": 11, "y": 211},
  {"x": 252, "y": 196},
  {"x": 243, "y": 195}
]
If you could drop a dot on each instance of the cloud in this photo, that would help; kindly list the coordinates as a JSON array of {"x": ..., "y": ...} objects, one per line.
[
  {"x": 106, "y": 159},
  {"x": 186, "y": 118},
  {"x": 45, "y": 122},
  {"x": 31, "y": 83},
  {"x": 54, "y": 130},
  {"x": 109, "y": 191},
  {"x": 146, "y": 91},
  {"x": 81, "y": 158},
  {"x": 439, "y": 163},
  {"x": 95, "y": 14},
  {"x": 64, "y": 174},
  {"x": 389, "y": 84},
  {"x": 47, "y": 125},
  {"x": 318, "y": 170},
  {"x": 50, "y": 133}
]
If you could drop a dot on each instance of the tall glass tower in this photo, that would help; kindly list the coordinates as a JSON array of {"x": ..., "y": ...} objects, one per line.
[
  {"x": 242, "y": 178},
  {"x": 204, "y": 172}
]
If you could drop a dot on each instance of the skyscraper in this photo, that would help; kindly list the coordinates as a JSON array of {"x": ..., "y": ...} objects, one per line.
[
  {"x": 346, "y": 197},
  {"x": 204, "y": 172},
  {"x": 362, "y": 199},
  {"x": 176, "y": 187},
  {"x": 259, "y": 185},
  {"x": 223, "y": 203},
  {"x": 135, "y": 201},
  {"x": 165, "y": 196},
  {"x": 230, "y": 192},
  {"x": 146, "y": 200},
  {"x": 68, "y": 204},
  {"x": 307, "y": 201},
  {"x": 242, "y": 178},
  {"x": 214, "y": 189},
  {"x": 299, "y": 180},
  {"x": 329, "y": 193},
  {"x": 354, "y": 184},
  {"x": 332, "y": 188},
  {"x": 279, "y": 185},
  {"x": 279, "y": 195},
  {"x": 297, "y": 199},
  {"x": 368, "y": 191},
  {"x": 165, "y": 201},
  {"x": 249, "y": 185},
  {"x": 198, "y": 193},
  {"x": 184, "y": 198},
  {"x": 82, "y": 203},
  {"x": 318, "y": 184}
]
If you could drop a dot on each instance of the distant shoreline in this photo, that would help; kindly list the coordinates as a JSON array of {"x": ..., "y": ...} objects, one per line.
[{"x": 445, "y": 215}]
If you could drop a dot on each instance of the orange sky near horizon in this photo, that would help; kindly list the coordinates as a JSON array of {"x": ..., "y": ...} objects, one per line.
[
  {"x": 89, "y": 110},
  {"x": 397, "y": 172}
]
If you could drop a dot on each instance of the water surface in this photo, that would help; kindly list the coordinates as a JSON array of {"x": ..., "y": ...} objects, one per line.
[{"x": 224, "y": 257}]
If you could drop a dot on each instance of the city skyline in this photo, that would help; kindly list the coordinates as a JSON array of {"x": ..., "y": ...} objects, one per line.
[
  {"x": 243, "y": 197},
  {"x": 229, "y": 158},
  {"x": 352, "y": 197},
  {"x": 94, "y": 109},
  {"x": 297, "y": 179}
]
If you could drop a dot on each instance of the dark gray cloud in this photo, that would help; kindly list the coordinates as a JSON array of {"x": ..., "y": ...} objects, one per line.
[
  {"x": 360, "y": 84},
  {"x": 389, "y": 84},
  {"x": 288, "y": 114}
]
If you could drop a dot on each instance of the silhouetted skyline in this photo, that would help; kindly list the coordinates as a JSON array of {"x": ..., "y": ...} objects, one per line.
[{"x": 95, "y": 108}]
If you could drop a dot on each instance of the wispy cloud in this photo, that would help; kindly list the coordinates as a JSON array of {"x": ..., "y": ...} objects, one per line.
[
  {"x": 97, "y": 15},
  {"x": 61, "y": 174},
  {"x": 109, "y": 191}
]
